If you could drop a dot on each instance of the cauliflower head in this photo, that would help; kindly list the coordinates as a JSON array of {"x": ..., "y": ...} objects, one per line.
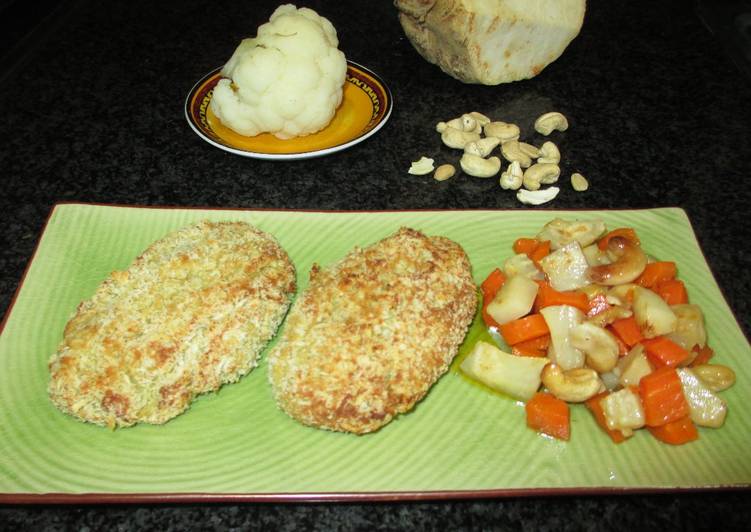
[{"x": 287, "y": 81}]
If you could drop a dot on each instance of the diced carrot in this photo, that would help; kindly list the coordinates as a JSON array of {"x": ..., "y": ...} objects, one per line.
[
  {"x": 594, "y": 406},
  {"x": 623, "y": 349},
  {"x": 490, "y": 286},
  {"x": 525, "y": 245},
  {"x": 549, "y": 415},
  {"x": 536, "y": 347},
  {"x": 662, "y": 351},
  {"x": 662, "y": 397},
  {"x": 673, "y": 291},
  {"x": 525, "y": 328},
  {"x": 532, "y": 248},
  {"x": 597, "y": 304},
  {"x": 548, "y": 296},
  {"x": 625, "y": 232},
  {"x": 627, "y": 330},
  {"x": 656, "y": 272},
  {"x": 705, "y": 353},
  {"x": 676, "y": 432},
  {"x": 540, "y": 252},
  {"x": 492, "y": 283}
]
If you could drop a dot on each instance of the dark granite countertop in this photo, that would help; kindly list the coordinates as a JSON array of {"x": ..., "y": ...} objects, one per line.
[{"x": 659, "y": 117}]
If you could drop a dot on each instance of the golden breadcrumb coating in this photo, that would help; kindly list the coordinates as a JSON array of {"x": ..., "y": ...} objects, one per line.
[
  {"x": 373, "y": 332},
  {"x": 191, "y": 313}
]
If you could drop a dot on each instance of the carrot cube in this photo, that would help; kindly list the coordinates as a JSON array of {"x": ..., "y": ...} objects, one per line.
[
  {"x": 549, "y": 415},
  {"x": 662, "y": 397}
]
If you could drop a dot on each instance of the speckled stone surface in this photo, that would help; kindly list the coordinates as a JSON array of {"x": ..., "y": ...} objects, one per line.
[{"x": 659, "y": 117}]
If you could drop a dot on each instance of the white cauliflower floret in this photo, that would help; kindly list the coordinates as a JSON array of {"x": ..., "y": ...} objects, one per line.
[{"x": 287, "y": 81}]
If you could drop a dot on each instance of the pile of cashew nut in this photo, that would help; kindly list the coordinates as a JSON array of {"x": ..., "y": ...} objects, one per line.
[{"x": 529, "y": 168}]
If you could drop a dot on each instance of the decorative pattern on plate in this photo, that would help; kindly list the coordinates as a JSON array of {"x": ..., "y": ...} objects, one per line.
[
  {"x": 365, "y": 108},
  {"x": 460, "y": 441}
]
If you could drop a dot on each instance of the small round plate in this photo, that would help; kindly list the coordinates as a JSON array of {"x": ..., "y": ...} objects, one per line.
[{"x": 365, "y": 108}]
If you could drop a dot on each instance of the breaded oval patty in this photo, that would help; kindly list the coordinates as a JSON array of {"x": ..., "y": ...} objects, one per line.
[
  {"x": 191, "y": 313},
  {"x": 373, "y": 332}
]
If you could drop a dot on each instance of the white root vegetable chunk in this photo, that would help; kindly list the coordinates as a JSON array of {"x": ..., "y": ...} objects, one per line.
[
  {"x": 513, "y": 300},
  {"x": 689, "y": 329},
  {"x": 633, "y": 367},
  {"x": 518, "y": 377},
  {"x": 492, "y": 41},
  {"x": 596, "y": 256},
  {"x": 654, "y": 316},
  {"x": 610, "y": 379},
  {"x": 566, "y": 267},
  {"x": 707, "y": 409},
  {"x": 561, "y": 319},
  {"x": 623, "y": 411},
  {"x": 521, "y": 264},
  {"x": 561, "y": 232}
]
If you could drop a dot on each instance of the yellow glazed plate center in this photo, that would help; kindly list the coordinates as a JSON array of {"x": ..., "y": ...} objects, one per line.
[
  {"x": 365, "y": 108},
  {"x": 349, "y": 121}
]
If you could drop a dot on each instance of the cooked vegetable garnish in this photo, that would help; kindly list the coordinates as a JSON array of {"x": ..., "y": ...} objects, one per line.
[
  {"x": 526, "y": 328},
  {"x": 673, "y": 291},
  {"x": 625, "y": 232},
  {"x": 584, "y": 315},
  {"x": 703, "y": 356},
  {"x": 656, "y": 272},
  {"x": 548, "y": 296},
  {"x": 677, "y": 432},
  {"x": 628, "y": 331},
  {"x": 594, "y": 405},
  {"x": 549, "y": 415},
  {"x": 662, "y": 396},
  {"x": 536, "y": 347},
  {"x": 662, "y": 351}
]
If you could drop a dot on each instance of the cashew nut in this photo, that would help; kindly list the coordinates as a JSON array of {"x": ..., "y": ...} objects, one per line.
[
  {"x": 512, "y": 178},
  {"x": 476, "y": 166},
  {"x": 550, "y": 122},
  {"x": 444, "y": 172},
  {"x": 541, "y": 174},
  {"x": 481, "y": 118},
  {"x": 465, "y": 122},
  {"x": 533, "y": 152},
  {"x": 470, "y": 124},
  {"x": 599, "y": 346},
  {"x": 573, "y": 386},
  {"x": 715, "y": 376},
  {"x": 512, "y": 152},
  {"x": 482, "y": 147},
  {"x": 502, "y": 130},
  {"x": 456, "y": 138},
  {"x": 549, "y": 153},
  {"x": 609, "y": 315},
  {"x": 421, "y": 167},
  {"x": 579, "y": 182},
  {"x": 629, "y": 264},
  {"x": 537, "y": 197}
]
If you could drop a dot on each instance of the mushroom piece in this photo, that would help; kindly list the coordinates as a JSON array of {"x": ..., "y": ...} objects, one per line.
[{"x": 629, "y": 264}]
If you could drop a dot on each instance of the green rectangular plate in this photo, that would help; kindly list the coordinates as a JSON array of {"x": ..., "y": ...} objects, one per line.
[{"x": 460, "y": 441}]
